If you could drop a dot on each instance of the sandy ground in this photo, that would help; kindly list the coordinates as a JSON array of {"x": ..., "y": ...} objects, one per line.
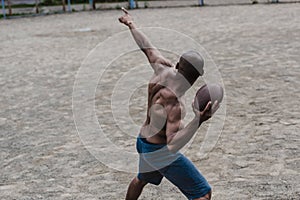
[{"x": 256, "y": 49}]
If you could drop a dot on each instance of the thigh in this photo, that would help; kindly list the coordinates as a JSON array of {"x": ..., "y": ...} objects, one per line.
[
  {"x": 148, "y": 173},
  {"x": 187, "y": 178},
  {"x": 151, "y": 177}
]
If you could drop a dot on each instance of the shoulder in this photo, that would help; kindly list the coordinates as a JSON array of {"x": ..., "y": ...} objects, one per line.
[
  {"x": 161, "y": 64},
  {"x": 167, "y": 73},
  {"x": 162, "y": 75},
  {"x": 164, "y": 78},
  {"x": 164, "y": 61}
]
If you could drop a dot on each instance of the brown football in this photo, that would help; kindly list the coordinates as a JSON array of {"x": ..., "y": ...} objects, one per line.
[{"x": 208, "y": 92}]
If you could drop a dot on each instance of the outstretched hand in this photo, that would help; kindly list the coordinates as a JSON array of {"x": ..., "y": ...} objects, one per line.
[
  {"x": 126, "y": 18},
  {"x": 208, "y": 112}
]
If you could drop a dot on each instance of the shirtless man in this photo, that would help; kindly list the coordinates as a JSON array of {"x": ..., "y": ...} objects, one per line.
[{"x": 163, "y": 134}]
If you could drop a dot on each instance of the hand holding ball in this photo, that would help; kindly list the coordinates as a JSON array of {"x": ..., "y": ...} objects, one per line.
[{"x": 208, "y": 93}]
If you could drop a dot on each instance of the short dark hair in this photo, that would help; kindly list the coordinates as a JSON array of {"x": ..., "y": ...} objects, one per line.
[{"x": 191, "y": 65}]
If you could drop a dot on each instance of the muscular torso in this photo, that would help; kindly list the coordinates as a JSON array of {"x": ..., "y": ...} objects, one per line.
[{"x": 163, "y": 107}]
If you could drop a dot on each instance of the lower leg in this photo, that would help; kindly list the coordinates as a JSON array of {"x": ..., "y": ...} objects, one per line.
[
  {"x": 206, "y": 197},
  {"x": 135, "y": 189}
]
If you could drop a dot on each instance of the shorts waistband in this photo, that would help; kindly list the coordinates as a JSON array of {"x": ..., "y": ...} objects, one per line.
[{"x": 144, "y": 140}]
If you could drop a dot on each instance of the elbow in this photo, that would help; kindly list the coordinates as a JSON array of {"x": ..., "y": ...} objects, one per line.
[
  {"x": 172, "y": 148},
  {"x": 174, "y": 145}
]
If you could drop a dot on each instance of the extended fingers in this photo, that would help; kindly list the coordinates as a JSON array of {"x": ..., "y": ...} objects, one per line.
[
  {"x": 215, "y": 107},
  {"x": 124, "y": 10},
  {"x": 207, "y": 107}
]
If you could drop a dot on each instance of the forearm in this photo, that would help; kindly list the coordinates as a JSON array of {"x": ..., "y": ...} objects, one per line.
[
  {"x": 182, "y": 137},
  {"x": 140, "y": 38}
]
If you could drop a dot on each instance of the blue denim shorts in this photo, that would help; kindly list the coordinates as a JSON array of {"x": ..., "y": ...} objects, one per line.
[{"x": 156, "y": 162}]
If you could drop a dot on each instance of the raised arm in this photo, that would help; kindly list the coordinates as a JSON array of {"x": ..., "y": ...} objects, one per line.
[
  {"x": 176, "y": 138},
  {"x": 154, "y": 56}
]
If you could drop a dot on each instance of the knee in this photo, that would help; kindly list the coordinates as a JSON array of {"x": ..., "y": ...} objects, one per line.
[
  {"x": 205, "y": 197},
  {"x": 208, "y": 195},
  {"x": 136, "y": 181}
]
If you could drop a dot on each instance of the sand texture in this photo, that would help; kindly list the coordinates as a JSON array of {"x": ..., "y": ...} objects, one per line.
[{"x": 256, "y": 49}]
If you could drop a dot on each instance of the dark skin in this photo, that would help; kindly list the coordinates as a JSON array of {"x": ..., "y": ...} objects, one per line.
[{"x": 166, "y": 108}]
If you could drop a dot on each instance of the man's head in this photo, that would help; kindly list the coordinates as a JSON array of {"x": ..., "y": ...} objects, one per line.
[{"x": 190, "y": 65}]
